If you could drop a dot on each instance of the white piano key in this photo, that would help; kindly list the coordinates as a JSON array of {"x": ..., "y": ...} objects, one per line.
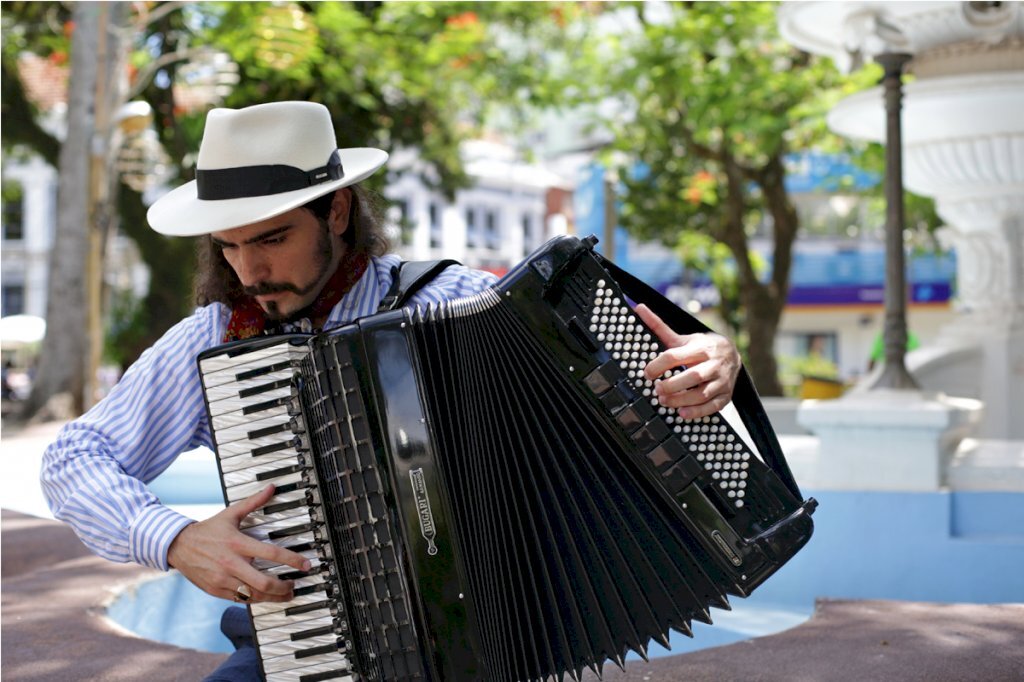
[
  {"x": 234, "y": 389},
  {"x": 297, "y": 674},
  {"x": 274, "y": 620},
  {"x": 237, "y": 439},
  {"x": 260, "y": 356},
  {"x": 221, "y": 422},
  {"x": 262, "y": 531},
  {"x": 238, "y": 462},
  {"x": 251, "y": 474},
  {"x": 240, "y": 492},
  {"x": 240, "y": 404},
  {"x": 282, "y": 362},
  {"x": 282, "y": 663},
  {"x": 284, "y": 631},
  {"x": 287, "y": 647},
  {"x": 257, "y": 519},
  {"x": 264, "y": 607}
]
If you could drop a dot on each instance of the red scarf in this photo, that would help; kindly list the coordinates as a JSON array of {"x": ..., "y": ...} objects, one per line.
[{"x": 248, "y": 318}]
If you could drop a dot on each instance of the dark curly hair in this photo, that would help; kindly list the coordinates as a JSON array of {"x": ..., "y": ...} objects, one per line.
[{"x": 216, "y": 282}]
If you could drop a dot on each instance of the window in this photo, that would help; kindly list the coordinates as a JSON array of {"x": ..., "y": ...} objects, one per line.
[
  {"x": 471, "y": 236},
  {"x": 436, "y": 232},
  {"x": 400, "y": 217},
  {"x": 13, "y": 300},
  {"x": 528, "y": 238},
  {"x": 491, "y": 229},
  {"x": 13, "y": 211}
]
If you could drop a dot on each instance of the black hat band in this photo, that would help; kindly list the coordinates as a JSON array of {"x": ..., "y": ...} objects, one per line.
[{"x": 258, "y": 181}]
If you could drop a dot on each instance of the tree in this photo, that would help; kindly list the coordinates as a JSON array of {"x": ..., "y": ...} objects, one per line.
[
  {"x": 396, "y": 75},
  {"x": 68, "y": 351},
  {"x": 715, "y": 99}
]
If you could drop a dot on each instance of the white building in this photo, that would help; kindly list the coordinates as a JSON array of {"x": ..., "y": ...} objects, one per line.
[{"x": 511, "y": 208}]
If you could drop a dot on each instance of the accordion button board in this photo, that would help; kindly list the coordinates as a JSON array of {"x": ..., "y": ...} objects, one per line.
[{"x": 489, "y": 488}]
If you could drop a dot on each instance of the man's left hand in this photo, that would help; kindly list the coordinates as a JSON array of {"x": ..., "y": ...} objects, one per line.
[{"x": 712, "y": 365}]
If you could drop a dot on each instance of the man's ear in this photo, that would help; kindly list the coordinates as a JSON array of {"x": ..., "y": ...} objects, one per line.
[{"x": 340, "y": 209}]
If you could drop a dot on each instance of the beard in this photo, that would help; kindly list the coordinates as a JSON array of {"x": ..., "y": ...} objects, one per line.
[{"x": 324, "y": 257}]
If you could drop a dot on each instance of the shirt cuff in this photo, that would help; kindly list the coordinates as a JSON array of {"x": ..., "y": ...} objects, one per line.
[{"x": 152, "y": 533}]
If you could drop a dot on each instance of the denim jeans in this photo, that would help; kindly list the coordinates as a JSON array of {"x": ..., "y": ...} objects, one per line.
[{"x": 243, "y": 665}]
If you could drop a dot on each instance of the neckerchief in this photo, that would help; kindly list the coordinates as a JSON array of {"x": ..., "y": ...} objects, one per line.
[{"x": 248, "y": 318}]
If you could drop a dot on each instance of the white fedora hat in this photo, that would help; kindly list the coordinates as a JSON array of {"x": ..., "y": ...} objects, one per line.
[{"x": 258, "y": 162}]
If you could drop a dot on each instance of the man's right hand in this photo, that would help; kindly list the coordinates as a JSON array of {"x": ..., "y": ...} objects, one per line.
[{"x": 217, "y": 557}]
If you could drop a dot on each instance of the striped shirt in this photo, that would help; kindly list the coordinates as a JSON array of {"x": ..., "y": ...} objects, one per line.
[{"x": 94, "y": 475}]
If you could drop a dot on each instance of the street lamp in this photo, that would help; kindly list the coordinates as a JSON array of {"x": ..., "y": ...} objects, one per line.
[{"x": 894, "y": 371}]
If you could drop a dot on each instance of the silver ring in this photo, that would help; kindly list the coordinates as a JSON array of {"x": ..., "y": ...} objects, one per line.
[{"x": 243, "y": 593}]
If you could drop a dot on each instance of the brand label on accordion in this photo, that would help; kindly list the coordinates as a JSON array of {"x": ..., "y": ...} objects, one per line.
[{"x": 419, "y": 491}]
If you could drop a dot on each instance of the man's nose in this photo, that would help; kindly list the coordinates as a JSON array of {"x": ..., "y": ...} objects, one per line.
[{"x": 251, "y": 267}]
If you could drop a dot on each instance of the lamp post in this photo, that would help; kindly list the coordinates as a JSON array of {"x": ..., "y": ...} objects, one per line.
[{"x": 894, "y": 371}]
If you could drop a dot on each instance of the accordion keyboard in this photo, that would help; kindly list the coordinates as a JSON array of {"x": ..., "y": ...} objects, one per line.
[{"x": 259, "y": 435}]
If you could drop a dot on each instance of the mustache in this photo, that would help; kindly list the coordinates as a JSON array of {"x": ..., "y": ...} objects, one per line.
[{"x": 271, "y": 288}]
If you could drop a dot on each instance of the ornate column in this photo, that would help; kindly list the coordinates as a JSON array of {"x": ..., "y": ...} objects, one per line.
[{"x": 963, "y": 144}]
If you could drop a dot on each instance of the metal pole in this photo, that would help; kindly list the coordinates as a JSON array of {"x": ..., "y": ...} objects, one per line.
[
  {"x": 894, "y": 372},
  {"x": 611, "y": 217}
]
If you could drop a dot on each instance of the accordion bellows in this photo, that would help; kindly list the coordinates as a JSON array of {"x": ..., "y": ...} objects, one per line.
[{"x": 492, "y": 490}]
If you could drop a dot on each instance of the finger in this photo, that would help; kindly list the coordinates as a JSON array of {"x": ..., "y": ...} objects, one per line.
[
  {"x": 672, "y": 358},
  {"x": 664, "y": 333},
  {"x": 698, "y": 395},
  {"x": 691, "y": 377},
  {"x": 269, "y": 587},
  {"x": 713, "y": 406},
  {"x": 264, "y": 550},
  {"x": 239, "y": 510}
]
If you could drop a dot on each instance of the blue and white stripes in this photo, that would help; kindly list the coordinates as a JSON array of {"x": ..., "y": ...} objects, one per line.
[{"x": 94, "y": 474}]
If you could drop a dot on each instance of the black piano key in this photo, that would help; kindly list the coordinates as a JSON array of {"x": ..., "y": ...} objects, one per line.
[
  {"x": 264, "y": 388},
  {"x": 267, "y": 431},
  {"x": 276, "y": 447},
  {"x": 293, "y": 530},
  {"x": 277, "y": 473},
  {"x": 326, "y": 675},
  {"x": 306, "y": 608},
  {"x": 289, "y": 487},
  {"x": 268, "y": 405},
  {"x": 260, "y": 371},
  {"x": 301, "y": 547},
  {"x": 312, "y": 632}
]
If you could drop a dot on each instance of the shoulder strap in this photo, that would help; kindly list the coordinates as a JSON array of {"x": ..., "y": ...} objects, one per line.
[{"x": 408, "y": 277}]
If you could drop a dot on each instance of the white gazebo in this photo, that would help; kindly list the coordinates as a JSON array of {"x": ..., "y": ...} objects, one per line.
[{"x": 963, "y": 144}]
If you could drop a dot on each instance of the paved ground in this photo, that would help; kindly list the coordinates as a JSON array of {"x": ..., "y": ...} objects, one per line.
[{"x": 53, "y": 628}]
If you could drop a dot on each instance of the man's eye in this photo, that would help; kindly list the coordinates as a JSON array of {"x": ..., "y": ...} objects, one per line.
[{"x": 273, "y": 240}]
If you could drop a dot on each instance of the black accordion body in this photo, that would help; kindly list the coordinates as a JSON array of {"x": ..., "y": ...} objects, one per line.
[{"x": 488, "y": 489}]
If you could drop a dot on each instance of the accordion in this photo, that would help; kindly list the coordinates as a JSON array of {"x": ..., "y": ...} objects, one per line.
[{"x": 488, "y": 488}]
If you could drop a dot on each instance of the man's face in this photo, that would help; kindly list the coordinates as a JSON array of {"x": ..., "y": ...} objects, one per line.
[{"x": 284, "y": 261}]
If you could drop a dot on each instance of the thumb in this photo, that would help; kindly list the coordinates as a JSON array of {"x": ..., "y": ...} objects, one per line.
[
  {"x": 664, "y": 333},
  {"x": 239, "y": 510}
]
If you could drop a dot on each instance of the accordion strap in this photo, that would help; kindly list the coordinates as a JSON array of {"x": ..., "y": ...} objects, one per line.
[
  {"x": 408, "y": 277},
  {"x": 745, "y": 397}
]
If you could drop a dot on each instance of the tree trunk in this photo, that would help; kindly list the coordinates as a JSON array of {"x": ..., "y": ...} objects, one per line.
[
  {"x": 761, "y": 303},
  {"x": 64, "y": 348},
  {"x": 763, "y": 314}
]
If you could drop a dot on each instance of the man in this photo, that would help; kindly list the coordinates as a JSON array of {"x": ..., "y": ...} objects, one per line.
[{"x": 291, "y": 242}]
